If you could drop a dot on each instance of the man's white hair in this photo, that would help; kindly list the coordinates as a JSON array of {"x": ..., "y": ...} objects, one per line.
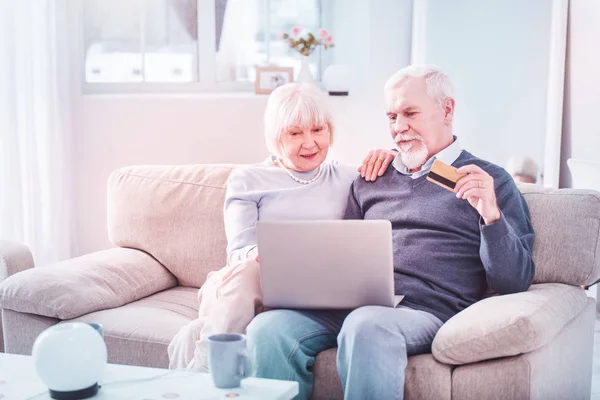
[
  {"x": 439, "y": 86},
  {"x": 300, "y": 105}
]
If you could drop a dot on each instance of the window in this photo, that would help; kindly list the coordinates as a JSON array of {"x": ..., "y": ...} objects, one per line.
[{"x": 213, "y": 44}]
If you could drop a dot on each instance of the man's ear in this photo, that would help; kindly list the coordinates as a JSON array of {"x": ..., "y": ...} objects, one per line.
[{"x": 448, "y": 107}]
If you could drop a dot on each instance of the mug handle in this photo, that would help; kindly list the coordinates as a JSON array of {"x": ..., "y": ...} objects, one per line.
[{"x": 244, "y": 365}]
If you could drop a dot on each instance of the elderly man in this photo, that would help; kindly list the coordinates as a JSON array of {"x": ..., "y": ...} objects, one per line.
[{"x": 449, "y": 247}]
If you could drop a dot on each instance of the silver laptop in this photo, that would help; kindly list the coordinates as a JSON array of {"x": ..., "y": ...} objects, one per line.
[{"x": 326, "y": 264}]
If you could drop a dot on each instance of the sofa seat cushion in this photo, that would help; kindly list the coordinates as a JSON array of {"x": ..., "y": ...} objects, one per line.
[
  {"x": 509, "y": 325},
  {"x": 97, "y": 281},
  {"x": 425, "y": 378},
  {"x": 139, "y": 333}
]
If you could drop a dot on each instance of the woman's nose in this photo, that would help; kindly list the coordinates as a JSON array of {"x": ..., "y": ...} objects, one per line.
[{"x": 309, "y": 140}]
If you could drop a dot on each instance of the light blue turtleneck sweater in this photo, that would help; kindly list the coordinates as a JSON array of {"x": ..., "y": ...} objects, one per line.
[{"x": 266, "y": 192}]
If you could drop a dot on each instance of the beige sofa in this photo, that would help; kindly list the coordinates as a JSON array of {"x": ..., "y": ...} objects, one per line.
[{"x": 166, "y": 225}]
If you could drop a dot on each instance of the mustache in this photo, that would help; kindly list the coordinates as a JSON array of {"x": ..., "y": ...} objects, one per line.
[{"x": 404, "y": 138}]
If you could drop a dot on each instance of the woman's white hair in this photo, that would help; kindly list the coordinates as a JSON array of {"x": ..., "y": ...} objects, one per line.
[
  {"x": 299, "y": 105},
  {"x": 439, "y": 86}
]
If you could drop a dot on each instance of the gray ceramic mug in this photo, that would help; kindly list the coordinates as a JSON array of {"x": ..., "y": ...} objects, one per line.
[
  {"x": 97, "y": 327},
  {"x": 228, "y": 359}
]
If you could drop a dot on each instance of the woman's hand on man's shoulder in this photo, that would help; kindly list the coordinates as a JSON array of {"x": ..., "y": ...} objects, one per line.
[{"x": 376, "y": 163}]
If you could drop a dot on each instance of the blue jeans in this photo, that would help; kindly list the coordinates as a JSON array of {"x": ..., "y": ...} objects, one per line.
[{"x": 373, "y": 346}]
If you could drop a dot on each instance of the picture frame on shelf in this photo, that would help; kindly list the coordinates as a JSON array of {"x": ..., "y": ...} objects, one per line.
[{"x": 270, "y": 78}]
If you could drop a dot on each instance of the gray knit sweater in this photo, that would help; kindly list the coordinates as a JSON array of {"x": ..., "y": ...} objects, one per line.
[{"x": 444, "y": 255}]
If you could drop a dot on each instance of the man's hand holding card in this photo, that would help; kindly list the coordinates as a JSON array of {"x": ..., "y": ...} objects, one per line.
[{"x": 469, "y": 182}]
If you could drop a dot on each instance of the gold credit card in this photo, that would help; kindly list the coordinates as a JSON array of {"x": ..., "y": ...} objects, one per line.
[{"x": 444, "y": 175}]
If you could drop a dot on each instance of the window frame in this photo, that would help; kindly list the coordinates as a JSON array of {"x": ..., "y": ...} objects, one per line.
[{"x": 207, "y": 82}]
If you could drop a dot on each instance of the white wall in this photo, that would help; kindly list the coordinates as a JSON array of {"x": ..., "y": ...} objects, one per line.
[
  {"x": 497, "y": 54},
  {"x": 115, "y": 131},
  {"x": 581, "y": 124},
  {"x": 374, "y": 39}
]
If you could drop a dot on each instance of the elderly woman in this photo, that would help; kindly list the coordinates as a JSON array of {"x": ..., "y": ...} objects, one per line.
[{"x": 295, "y": 182}]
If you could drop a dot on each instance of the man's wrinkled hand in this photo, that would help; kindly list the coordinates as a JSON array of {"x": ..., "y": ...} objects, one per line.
[{"x": 477, "y": 187}]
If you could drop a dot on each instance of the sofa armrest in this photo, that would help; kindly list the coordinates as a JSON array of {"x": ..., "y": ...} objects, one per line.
[
  {"x": 503, "y": 326},
  {"x": 97, "y": 281},
  {"x": 14, "y": 257}
]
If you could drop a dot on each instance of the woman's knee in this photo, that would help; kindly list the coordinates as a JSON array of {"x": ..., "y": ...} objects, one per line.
[
  {"x": 267, "y": 326},
  {"x": 269, "y": 338}
]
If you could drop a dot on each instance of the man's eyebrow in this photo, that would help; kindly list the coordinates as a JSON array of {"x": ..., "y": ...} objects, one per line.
[{"x": 403, "y": 109}]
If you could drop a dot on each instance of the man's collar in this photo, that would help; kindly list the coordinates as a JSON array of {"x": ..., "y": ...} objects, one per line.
[
  {"x": 447, "y": 155},
  {"x": 450, "y": 153}
]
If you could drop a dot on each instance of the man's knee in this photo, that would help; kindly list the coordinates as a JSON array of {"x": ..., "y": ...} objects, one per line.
[{"x": 362, "y": 324}]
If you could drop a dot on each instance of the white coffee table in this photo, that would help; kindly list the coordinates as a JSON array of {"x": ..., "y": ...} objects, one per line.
[{"x": 19, "y": 381}]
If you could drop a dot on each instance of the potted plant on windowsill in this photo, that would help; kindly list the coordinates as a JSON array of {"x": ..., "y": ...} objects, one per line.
[{"x": 306, "y": 43}]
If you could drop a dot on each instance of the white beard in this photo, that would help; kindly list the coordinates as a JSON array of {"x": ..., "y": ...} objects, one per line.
[{"x": 414, "y": 158}]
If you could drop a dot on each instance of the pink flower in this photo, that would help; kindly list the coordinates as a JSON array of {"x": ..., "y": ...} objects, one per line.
[
  {"x": 328, "y": 40},
  {"x": 279, "y": 35},
  {"x": 323, "y": 33},
  {"x": 296, "y": 31}
]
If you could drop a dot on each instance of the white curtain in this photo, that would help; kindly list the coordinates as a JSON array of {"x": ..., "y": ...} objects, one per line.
[
  {"x": 236, "y": 57},
  {"x": 35, "y": 127}
]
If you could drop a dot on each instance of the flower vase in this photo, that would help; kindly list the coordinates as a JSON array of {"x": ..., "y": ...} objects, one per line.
[{"x": 304, "y": 75}]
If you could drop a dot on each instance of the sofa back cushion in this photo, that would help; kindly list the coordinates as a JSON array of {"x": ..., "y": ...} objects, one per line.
[
  {"x": 174, "y": 213},
  {"x": 567, "y": 228}
]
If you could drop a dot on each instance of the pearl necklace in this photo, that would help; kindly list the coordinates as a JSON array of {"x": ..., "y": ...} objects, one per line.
[{"x": 300, "y": 180}]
